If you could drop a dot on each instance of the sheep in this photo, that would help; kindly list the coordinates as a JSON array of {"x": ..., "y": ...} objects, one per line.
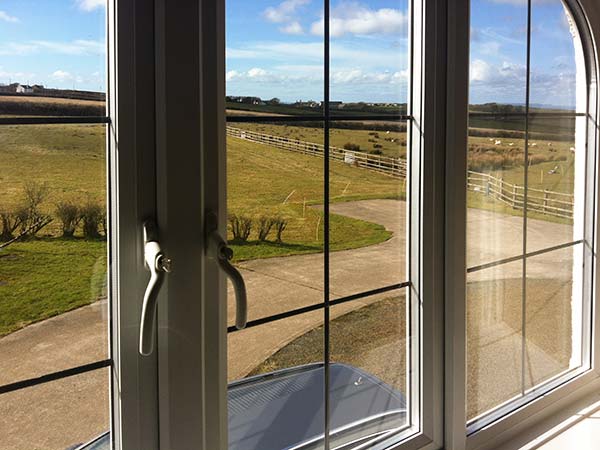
[{"x": 497, "y": 142}]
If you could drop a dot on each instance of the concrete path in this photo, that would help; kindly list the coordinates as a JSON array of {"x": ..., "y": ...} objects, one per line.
[{"x": 280, "y": 284}]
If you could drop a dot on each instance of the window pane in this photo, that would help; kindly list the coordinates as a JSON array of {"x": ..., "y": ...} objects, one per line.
[
  {"x": 370, "y": 50},
  {"x": 276, "y": 389},
  {"x": 53, "y": 279},
  {"x": 494, "y": 337},
  {"x": 52, "y": 52},
  {"x": 275, "y": 187},
  {"x": 369, "y": 385},
  {"x": 274, "y": 57},
  {"x": 56, "y": 415},
  {"x": 368, "y": 221},
  {"x": 554, "y": 311}
]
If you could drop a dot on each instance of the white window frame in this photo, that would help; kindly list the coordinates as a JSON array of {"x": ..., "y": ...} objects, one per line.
[{"x": 519, "y": 426}]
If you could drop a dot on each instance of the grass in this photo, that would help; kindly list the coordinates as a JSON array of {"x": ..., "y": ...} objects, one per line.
[
  {"x": 70, "y": 159},
  {"x": 46, "y": 277}
]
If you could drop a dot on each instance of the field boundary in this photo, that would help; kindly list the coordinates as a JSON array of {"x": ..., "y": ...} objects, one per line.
[
  {"x": 386, "y": 165},
  {"x": 542, "y": 201}
]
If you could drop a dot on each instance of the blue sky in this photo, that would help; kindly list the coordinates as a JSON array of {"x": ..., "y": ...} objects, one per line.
[
  {"x": 58, "y": 43},
  {"x": 274, "y": 48}
]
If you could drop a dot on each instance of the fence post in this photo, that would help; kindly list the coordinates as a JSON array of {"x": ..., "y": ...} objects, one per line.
[
  {"x": 545, "y": 201},
  {"x": 514, "y": 195}
]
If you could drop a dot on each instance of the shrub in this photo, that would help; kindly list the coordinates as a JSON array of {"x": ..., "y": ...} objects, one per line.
[
  {"x": 29, "y": 214},
  {"x": 69, "y": 216},
  {"x": 264, "y": 227},
  {"x": 351, "y": 146},
  {"x": 377, "y": 146},
  {"x": 376, "y": 152},
  {"x": 9, "y": 223},
  {"x": 92, "y": 214},
  {"x": 280, "y": 226},
  {"x": 241, "y": 226}
]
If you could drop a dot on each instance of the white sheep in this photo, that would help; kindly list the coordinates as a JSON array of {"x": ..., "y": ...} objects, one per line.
[
  {"x": 511, "y": 144},
  {"x": 497, "y": 142}
]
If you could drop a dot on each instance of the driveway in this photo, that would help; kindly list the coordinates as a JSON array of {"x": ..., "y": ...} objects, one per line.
[{"x": 276, "y": 285}]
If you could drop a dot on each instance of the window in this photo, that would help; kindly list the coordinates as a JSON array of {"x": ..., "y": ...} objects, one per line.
[
  {"x": 54, "y": 306},
  {"x": 320, "y": 143},
  {"x": 530, "y": 195}
]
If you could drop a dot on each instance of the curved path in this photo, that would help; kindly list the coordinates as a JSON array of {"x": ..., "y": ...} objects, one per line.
[{"x": 276, "y": 285}]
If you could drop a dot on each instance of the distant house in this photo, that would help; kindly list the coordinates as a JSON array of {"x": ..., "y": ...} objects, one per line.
[
  {"x": 334, "y": 105},
  {"x": 24, "y": 89}
]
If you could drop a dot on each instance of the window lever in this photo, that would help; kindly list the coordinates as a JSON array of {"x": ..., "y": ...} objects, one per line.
[
  {"x": 223, "y": 254},
  {"x": 158, "y": 265}
]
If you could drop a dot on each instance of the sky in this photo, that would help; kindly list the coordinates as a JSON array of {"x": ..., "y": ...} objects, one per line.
[{"x": 275, "y": 49}]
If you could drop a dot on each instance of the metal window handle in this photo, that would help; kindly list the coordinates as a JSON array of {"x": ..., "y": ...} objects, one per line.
[
  {"x": 158, "y": 264},
  {"x": 218, "y": 249}
]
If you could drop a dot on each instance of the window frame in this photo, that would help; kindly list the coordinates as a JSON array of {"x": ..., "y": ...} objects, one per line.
[{"x": 530, "y": 419}]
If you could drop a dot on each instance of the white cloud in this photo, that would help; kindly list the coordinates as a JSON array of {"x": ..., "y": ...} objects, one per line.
[
  {"x": 292, "y": 28},
  {"x": 8, "y": 18},
  {"x": 257, "y": 72},
  {"x": 90, "y": 5},
  {"x": 284, "y": 12},
  {"x": 354, "y": 18}
]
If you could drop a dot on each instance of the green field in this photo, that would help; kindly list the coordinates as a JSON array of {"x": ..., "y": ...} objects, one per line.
[{"x": 70, "y": 160}]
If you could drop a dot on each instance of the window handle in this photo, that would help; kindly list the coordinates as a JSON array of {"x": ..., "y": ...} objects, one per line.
[
  {"x": 158, "y": 265},
  {"x": 218, "y": 249}
]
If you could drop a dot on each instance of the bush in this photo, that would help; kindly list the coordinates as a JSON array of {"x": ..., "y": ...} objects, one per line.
[
  {"x": 9, "y": 223},
  {"x": 69, "y": 216},
  {"x": 376, "y": 152},
  {"x": 377, "y": 146},
  {"x": 92, "y": 215},
  {"x": 351, "y": 146},
  {"x": 29, "y": 214},
  {"x": 264, "y": 227},
  {"x": 241, "y": 226},
  {"x": 280, "y": 226}
]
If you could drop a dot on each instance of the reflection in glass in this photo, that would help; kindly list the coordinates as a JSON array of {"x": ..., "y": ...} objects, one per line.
[
  {"x": 53, "y": 274},
  {"x": 494, "y": 337},
  {"x": 56, "y": 415},
  {"x": 554, "y": 312}
]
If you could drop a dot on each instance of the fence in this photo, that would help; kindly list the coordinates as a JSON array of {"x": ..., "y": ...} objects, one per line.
[
  {"x": 542, "y": 201},
  {"x": 394, "y": 167}
]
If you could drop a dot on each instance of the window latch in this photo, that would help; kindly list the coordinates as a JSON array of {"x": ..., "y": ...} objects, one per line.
[
  {"x": 158, "y": 265},
  {"x": 219, "y": 250}
]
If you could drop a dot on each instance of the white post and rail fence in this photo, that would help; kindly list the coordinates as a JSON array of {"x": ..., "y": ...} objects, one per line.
[{"x": 541, "y": 201}]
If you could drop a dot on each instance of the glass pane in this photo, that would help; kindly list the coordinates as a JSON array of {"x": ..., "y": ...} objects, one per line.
[
  {"x": 58, "y": 415},
  {"x": 278, "y": 399},
  {"x": 368, "y": 221},
  {"x": 368, "y": 369},
  {"x": 494, "y": 337},
  {"x": 274, "y": 57},
  {"x": 53, "y": 274},
  {"x": 275, "y": 198},
  {"x": 496, "y": 152},
  {"x": 554, "y": 311},
  {"x": 53, "y": 58},
  {"x": 370, "y": 50}
]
